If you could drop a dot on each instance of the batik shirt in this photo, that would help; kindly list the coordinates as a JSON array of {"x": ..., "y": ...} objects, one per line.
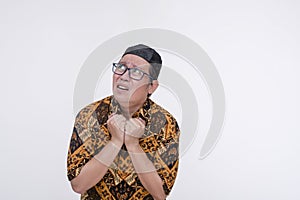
[{"x": 160, "y": 142}]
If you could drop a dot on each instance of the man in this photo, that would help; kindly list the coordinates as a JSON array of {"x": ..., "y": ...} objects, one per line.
[{"x": 125, "y": 146}]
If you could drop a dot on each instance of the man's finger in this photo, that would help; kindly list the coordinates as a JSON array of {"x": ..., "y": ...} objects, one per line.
[
  {"x": 111, "y": 115},
  {"x": 142, "y": 122},
  {"x": 138, "y": 122}
]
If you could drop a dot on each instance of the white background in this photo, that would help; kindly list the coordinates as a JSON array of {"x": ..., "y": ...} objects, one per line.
[{"x": 254, "y": 45}]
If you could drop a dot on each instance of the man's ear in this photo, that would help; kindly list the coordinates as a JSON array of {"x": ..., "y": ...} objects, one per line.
[{"x": 153, "y": 86}]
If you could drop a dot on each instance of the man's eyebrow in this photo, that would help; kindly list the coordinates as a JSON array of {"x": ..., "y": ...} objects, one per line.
[
  {"x": 140, "y": 67},
  {"x": 125, "y": 63}
]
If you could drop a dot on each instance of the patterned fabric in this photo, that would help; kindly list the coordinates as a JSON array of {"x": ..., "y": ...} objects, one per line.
[{"x": 160, "y": 142}]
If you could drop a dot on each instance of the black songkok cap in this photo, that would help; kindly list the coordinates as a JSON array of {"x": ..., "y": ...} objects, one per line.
[{"x": 149, "y": 54}]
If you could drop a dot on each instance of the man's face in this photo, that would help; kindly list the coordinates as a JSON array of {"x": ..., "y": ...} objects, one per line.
[{"x": 127, "y": 91}]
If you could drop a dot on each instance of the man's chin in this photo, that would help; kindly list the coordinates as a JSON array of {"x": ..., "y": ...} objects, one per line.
[{"x": 122, "y": 98}]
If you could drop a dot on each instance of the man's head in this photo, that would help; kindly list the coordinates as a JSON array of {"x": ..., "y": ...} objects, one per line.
[
  {"x": 135, "y": 75},
  {"x": 148, "y": 54}
]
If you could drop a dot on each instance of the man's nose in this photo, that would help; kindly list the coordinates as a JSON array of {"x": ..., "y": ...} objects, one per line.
[{"x": 125, "y": 76}]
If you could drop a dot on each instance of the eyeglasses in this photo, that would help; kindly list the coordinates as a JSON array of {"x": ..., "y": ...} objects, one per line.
[{"x": 134, "y": 73}]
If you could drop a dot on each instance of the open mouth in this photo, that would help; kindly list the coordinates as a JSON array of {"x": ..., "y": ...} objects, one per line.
[{"x": 121, "y": 87}]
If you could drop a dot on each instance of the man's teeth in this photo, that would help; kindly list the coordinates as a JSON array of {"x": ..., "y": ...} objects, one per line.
[{"x": 122, "y": 87}]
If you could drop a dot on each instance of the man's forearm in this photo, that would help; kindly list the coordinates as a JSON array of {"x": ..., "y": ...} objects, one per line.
[
  {"x": 95, "y": 169},
  {"x": 147, "y": 173}
]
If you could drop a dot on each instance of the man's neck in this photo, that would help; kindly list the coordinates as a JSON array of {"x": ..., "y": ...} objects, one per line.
[{"x": 129, "y": 111}]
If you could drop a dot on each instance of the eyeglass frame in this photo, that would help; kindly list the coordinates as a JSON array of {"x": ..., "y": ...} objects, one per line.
[{"x": 128, "y": 69}]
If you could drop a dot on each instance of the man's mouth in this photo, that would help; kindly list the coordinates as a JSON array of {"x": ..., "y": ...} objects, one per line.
[{"x": 121, "y": 87}]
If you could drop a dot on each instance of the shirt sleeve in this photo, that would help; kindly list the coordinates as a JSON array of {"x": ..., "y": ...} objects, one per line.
[
  {"x": 88, "y": 139},
  {"x": 80, "y": 152},
  {"x": 167, "y": 155},
  {"x": 78, "y": 156}
]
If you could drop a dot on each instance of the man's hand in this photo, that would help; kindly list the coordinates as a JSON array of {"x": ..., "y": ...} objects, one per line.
[
  {"x": 134, "y": 129},
  {"x": 115, "y": 124}
]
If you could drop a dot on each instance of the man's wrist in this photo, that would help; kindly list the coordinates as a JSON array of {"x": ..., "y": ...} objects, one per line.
[
  {"x": 134, "y": 148},
  {"x": 108, "y": 153},
  {"x": 117, "y": 143},
  {"x": 140, "y": 161}
]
